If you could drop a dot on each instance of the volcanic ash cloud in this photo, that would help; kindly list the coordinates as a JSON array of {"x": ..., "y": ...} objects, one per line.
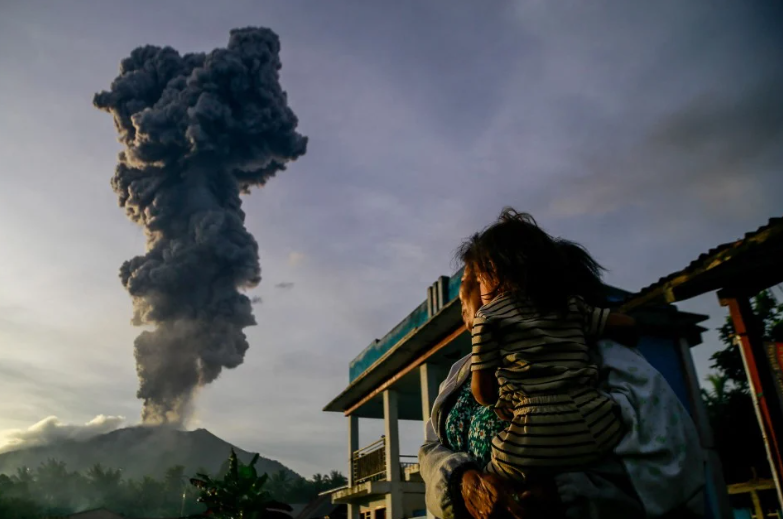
[{"x": 197, "y": 130}]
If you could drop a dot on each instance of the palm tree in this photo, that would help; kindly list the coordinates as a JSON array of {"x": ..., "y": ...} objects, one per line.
[
  {"x": 719, "y": 394},
  {"x": 104, "y": 484},
  {"x": 279, "y": 484},
  {"x": 240, "y": 494},
  {"x": 336, "y": 479}
]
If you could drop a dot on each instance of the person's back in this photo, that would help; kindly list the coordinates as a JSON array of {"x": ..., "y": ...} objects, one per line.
[
  {"x": 530, "y": 349},
  {"x": 541, "y": 353}
]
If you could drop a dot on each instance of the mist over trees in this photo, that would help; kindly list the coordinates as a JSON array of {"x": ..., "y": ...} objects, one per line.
[{"x": 51, "y": 490}]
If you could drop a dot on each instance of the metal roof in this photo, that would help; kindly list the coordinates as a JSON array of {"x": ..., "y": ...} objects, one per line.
[{"x": 755, "y": 244}]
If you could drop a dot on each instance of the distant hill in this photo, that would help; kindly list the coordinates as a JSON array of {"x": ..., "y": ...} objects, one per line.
[{"x": 140, "y": 451}]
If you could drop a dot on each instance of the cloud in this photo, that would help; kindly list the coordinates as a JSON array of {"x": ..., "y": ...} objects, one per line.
[
  {"x": 711, "y": 149},
  {"x": 285, "y": 285},
  {"x": 52, "y": 430},
  {"x": 295, "y": 258}
]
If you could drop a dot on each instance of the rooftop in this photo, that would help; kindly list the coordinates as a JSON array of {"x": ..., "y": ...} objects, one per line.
[
  {"x": 439, "y": 340},
  {"x": 751, "y": 263}
]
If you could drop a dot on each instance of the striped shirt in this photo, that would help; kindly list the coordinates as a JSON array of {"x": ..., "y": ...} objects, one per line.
[{"x": 534, "y": 353}]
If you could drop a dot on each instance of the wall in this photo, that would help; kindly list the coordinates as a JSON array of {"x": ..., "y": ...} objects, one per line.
[{"x": 663, "y": 354}]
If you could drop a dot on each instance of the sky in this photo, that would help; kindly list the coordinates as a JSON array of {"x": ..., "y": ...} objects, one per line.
[{"x": 649, "y": 132}]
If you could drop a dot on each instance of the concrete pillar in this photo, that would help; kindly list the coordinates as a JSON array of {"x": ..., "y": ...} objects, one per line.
[
  {"x": 391, "y": 426},
  {"x": 430, "y": 380},
  {"x": 394, "y": 508},
  {"x": 442, "y": 288},
  {"x": 353, "y": 445}
]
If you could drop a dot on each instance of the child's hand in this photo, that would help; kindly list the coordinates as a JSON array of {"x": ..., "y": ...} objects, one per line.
[{"x": 504, "y": 414}]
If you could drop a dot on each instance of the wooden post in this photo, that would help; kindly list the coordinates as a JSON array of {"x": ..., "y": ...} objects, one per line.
[{"x": 768, "y": 410}]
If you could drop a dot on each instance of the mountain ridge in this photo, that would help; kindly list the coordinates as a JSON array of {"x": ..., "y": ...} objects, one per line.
[{"x": 139, "y": 451}]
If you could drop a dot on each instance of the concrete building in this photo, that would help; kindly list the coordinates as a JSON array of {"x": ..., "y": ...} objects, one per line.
[{"x": 397, "y": 378}]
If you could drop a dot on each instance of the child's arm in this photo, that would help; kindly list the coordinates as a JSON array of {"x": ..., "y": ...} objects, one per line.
[
  {"x": 622, "y": 328},
  {"x": 602, "y": 322},
  {"x": 484, "y": 385},
  {"x": 484, "y": 362}
]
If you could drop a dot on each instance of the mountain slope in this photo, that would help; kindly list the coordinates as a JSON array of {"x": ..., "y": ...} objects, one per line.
[{"x": 139, "y": 451}]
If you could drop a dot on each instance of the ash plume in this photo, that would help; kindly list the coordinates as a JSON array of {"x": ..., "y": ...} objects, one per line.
[{"x": 197, "y": 130}]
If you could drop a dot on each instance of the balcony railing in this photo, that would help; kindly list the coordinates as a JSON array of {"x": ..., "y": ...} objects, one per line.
[
  {"x": 369, "y": 463},
  {"x": 408, "y": 461}
]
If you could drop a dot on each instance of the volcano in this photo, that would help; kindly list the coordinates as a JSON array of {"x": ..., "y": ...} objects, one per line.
[{"x": 140, "y": 451}]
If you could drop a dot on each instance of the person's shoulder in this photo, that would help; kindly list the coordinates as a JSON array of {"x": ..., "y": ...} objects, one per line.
[{"x": 499, "y": 305}]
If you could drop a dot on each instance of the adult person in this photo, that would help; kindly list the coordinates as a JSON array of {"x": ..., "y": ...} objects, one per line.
[{"x": 644, "y": 477}]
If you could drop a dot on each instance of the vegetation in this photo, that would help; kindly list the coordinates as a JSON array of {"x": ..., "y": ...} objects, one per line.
[
  {"x": 52, "y": 491},
  {"x": 240, "y": 494},
  {"x": 729, "y": 405}
]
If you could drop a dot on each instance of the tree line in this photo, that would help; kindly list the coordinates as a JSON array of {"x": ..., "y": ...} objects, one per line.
[
  {"x": 51, "y": 490},
  {"x": 729, "y": 405}
]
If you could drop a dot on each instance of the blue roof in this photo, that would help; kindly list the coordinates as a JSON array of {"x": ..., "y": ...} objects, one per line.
[{"x": 411, "y": 322}]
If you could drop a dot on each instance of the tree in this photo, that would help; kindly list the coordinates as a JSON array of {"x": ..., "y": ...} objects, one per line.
[
  {"x": 279, "y": 485},
  {"x": 729, "y": 405},
  {"x": 337, "y": 480},
  {"x": 15, "y": 500},
  {"x": 105, "y": 485},
  {"x": 240, "y": 494},
  {"x": 728, "y": 361},
  {"x": 53, "y": 487}
]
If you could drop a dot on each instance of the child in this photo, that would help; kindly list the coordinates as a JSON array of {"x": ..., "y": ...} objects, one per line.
[{"x": 530, "y": 348}]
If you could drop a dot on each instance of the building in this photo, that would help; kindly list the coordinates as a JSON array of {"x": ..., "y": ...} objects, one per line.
[
  {"x": 321, "y": 507},
  {"x": 397, "y": 378}
]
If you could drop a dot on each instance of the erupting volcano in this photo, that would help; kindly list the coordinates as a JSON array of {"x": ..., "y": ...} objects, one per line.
[{"x": 197, "y": 130}]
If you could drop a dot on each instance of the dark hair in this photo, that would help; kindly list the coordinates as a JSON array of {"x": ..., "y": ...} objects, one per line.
[{"x": 521, "y": 258}]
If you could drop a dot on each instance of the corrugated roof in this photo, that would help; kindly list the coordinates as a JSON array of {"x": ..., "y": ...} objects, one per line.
[
  {"x": 716, "y": 256},
  {"x": 317, "y": 508}
]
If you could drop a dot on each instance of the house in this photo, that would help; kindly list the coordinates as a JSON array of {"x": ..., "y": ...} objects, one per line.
[{"x": 321, "y": 507}]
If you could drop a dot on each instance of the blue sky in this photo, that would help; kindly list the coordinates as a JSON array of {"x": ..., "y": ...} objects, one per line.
[{"x": 648, "y": 131}]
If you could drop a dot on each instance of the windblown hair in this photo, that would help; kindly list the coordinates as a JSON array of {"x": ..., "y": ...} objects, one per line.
[
  {"x": 469, "y": 296},
  {"x": 516, "y": 256}
]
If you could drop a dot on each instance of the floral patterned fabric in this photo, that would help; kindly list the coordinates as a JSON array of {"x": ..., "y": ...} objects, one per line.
[{"x": 470, "y": 427}]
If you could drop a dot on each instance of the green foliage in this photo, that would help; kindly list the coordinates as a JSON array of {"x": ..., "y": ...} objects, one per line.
[
  {"x": 239, "y": 494},
  {"x": 729, "y": 405},
  {"x": 52, "y": 491}
]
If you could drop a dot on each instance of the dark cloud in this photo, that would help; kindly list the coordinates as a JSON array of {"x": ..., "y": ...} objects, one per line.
[
  {"x": 707, "y": 151},
  {"x": 695, "y": 130},
  {"x": 198, "y": 130}
]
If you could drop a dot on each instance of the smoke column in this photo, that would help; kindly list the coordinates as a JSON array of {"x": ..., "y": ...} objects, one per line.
[{"x": 198, "y": 130}]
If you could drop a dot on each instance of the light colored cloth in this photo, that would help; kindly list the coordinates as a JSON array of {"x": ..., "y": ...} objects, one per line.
[
  {"x": 608, "y": 489},
  {"x": 661, "y": 450}
]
